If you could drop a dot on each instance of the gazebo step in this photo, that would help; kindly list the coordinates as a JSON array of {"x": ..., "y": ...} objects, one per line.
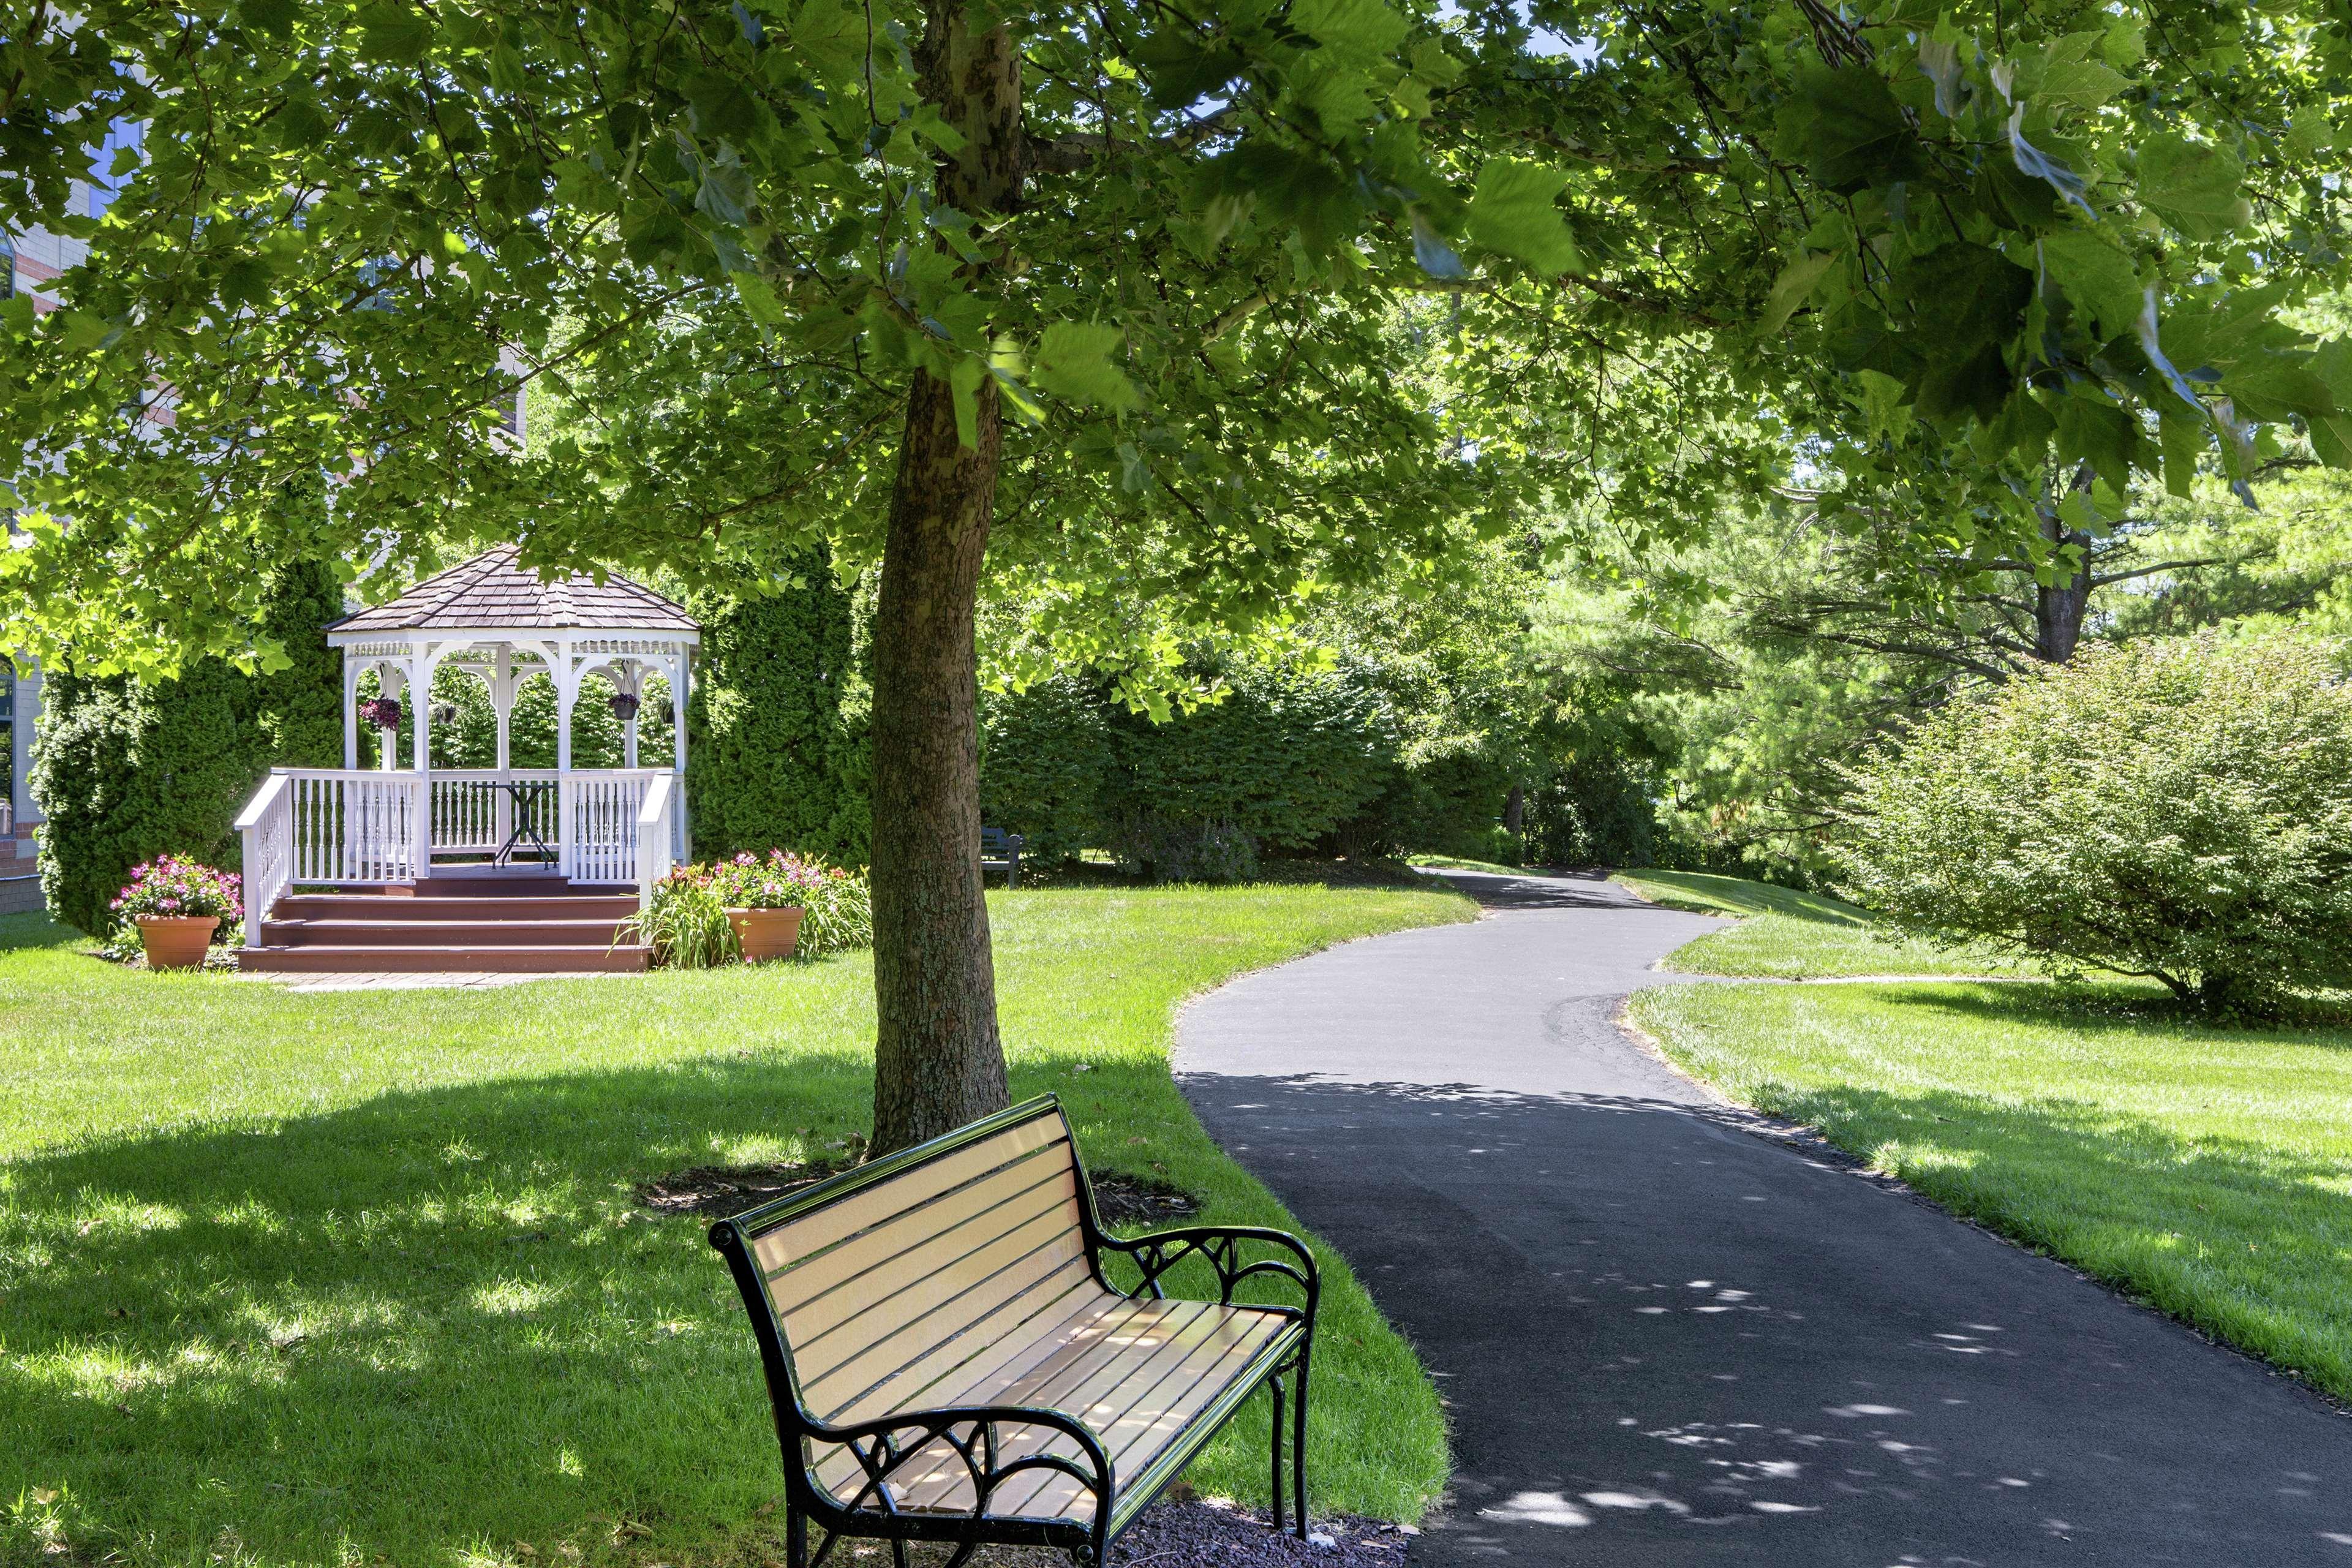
[
  {"x": 377, "y": 932},
  {"x": 378, "y": 908},
  {"x": 440, "y": 960}
]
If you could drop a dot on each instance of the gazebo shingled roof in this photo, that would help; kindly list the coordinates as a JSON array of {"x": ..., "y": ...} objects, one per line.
[{"x": 491, "y": 592}]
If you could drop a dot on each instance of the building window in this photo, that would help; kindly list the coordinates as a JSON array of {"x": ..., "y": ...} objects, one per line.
[
  {"x": 7, "y": 266},
  {"x": 510, "y": 416}
]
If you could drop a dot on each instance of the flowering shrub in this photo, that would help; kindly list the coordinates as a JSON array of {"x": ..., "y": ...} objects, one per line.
[
  {"x": 171, "y": 886},
  {"x": 383, "y": 712},
  {"x": 686, "y": 924}
]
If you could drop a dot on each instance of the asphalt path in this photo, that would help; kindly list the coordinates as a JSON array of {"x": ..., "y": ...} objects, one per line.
[{"x": 1665, "y": 1339}]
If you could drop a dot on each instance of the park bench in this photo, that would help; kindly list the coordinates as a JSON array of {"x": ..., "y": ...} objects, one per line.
[
  {"x": 950, "y": 1361},
  {"x": 1000, "y": 851}
]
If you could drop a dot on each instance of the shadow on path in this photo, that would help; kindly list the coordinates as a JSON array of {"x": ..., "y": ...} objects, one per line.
[{"x": 1664, "y": 1341}]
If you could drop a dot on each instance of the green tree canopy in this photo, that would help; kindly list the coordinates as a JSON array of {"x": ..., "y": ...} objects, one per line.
[{"x": 1950, "y": 248}]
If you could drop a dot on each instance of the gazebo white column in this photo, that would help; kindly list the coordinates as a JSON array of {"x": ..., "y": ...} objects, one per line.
[
  {"x": 350, "y": 713},
  {"x": 420, "y": 683}
]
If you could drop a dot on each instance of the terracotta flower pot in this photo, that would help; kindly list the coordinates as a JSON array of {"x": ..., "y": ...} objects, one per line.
[
  {"x": 766, "y": 933},
  {"x": 176, "y": 942}
]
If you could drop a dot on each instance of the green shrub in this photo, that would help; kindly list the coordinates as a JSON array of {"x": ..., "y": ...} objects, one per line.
[
  {"x": 1596, "y": 810},
  {"x": 1288, "y": 762},
  {"x": 2180, "y": 809},
  {"x": 775, "y": 726}
]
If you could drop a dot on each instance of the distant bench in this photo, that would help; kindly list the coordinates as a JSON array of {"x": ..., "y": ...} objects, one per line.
[
  {"x": 949, "y": 1362},
  {"x": 1000, "y": 851}
]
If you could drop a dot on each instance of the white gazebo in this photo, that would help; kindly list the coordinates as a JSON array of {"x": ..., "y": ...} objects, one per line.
[{"x": 499, "y": 623}]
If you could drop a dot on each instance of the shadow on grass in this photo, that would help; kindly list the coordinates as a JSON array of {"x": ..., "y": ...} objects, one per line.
[
  {"x": 1710, "y": 894},
  {"x": 431, "y": 1319},
  {"x": 2107, "y": 1005},
  {"x": 34, "y": 931}
]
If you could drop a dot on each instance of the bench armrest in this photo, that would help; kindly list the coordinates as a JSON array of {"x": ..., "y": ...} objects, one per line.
[
  {"x": 1221, "y": 1245},
  {"x": 886, "y": 1442}
]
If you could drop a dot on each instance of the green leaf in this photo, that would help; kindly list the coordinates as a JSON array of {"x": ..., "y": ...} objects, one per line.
[
  {"x": 1789, "y": 289},
  {"x": 2100, "y": 279},
  {"x": 396, "y": 35},
  {"x": 2182, "y": 438},
  {"x": 1512, "y": 210},
  {"x": 1963, "y": 295},
  {"x": 2193, "y": 188},
  {"x": 2099, "y": 434},
  {"x": 1074, "y": 362},
  {"x": 1850, "y": 129},
  {"x": 1354, "y": 27}
]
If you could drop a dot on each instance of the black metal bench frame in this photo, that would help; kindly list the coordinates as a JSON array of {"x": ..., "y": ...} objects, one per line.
[
  {"x": 1000, "y": 851},
  {"x": 882, "y": 1444}
]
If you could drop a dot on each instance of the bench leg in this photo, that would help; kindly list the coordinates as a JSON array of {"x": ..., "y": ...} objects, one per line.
[
  {"x": 796, "y": 1537},
  {"x": 1297, "y": 1445},
  {"x": 1273, "y": 1387}
]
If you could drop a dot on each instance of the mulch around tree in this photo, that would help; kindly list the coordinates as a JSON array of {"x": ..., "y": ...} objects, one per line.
[{"x": 715, "y": 1191}]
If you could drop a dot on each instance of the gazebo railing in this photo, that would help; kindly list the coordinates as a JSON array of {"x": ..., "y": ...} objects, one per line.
[{"x": 348, "y": 826}]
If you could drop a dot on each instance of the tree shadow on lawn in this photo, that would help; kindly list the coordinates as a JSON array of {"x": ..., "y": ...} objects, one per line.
[
  {"x": 2101, "y": 1004},
  {"x": 1738, "y": 896},
  {"x": 431, "y": 1319}
]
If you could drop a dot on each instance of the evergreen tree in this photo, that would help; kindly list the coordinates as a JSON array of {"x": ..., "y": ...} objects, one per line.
[
  {"x": 127, "y": 769},
  {"x": 775, "y": 734}
]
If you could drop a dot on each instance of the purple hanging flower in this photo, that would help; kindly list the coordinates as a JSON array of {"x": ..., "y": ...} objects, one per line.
[
  {"x": 625, "y": 706},
  {"x": 383, "y": 712}
]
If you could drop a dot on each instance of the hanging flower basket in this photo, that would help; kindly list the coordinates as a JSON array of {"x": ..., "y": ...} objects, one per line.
[
  {"x": 624, "y": 707},
  {"x": 383, "y": 712}
]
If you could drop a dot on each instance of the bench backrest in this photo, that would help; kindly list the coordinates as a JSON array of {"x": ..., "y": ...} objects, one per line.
[
  {"x": 997, "y": 842},
  {"x": 880, "y": 1280}
]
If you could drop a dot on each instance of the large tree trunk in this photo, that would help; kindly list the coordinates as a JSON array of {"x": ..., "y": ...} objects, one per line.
[{"x": 938, "y": 1059}]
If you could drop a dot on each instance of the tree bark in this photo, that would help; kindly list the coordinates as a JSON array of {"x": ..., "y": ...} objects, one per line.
[
  {"x": 2058, "y": 610},
  {"x": 938, "y": 1061}
]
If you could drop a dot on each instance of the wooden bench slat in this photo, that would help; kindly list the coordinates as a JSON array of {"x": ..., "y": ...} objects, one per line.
[
  {"x": 1042, "y": 1379},
  {"x": 1135, "y": 1419},
  {"x": 799, "y": 1239},
  {"x": 882, "y": 1263},
  {"x": 892, "y": 1376},
  {"x": 944, "y": 1301},
  {"x": 1136, "y": 1398}
]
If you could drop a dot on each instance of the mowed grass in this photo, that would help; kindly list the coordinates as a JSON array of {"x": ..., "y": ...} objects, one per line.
[
  {"x": 2207, "y": 1171},
  {"x": 362, "y": 1278},
  {"x": 1784, "y": 934}
]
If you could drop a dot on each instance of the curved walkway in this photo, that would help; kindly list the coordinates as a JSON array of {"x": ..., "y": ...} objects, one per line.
[{"x": 1665, "y": 1341}]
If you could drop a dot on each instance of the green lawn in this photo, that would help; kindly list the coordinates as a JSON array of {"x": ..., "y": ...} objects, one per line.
[
  {"x": 1784, "y": 934},
  {"x": 2206, "y": 1170},
  {"x": 360, "y": 1277}
]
